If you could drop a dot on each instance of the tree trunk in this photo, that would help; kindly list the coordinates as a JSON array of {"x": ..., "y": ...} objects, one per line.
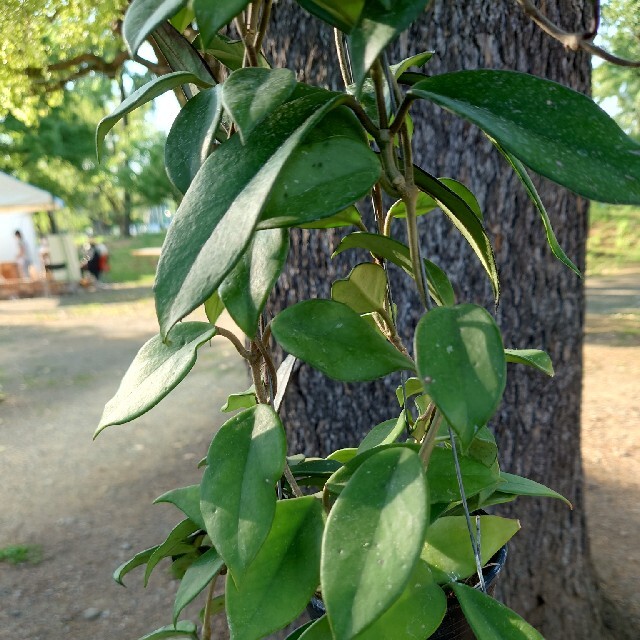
[{"x": 549, "y": 577}]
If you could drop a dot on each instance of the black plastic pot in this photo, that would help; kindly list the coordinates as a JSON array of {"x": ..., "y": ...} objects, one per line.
[{"x": 454, "y": 626}]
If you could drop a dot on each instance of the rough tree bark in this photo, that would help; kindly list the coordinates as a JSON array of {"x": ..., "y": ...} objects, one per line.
[{"x": 549, "y": 578}]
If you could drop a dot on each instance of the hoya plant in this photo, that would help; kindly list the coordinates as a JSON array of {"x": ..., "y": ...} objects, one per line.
[{"x": 386, "y": 536}]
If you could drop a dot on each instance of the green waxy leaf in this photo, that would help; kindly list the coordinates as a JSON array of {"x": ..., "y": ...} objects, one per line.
[
  {"x": 315, "y": 630},
  {"x": 212, "y": 16},
  {"x": 377, "y": 27},
  {"x": 143, "y": 95},
  {"x": 143, "y": 16},
  {"x": 237, "y": 498},
  {"x": 532, "y": 357},
  {"x": 484, "y": 448},
  {"x": 196, "y": 579},
  {"x": 184, "y": 629},
  {"x": 246, "y": 289},
  {"x": 552, "y": 129},
  {"x": 416, "y": 614},
  {"x": 192, "y": 137},
  {"x": 373, "y": 538},
  {"x": 281, "y": 580},
  {"x": 217, "y": 217},
  {"x": 521, "y": 172},
  {"x": 333, "y": 168},
  {"x": 342, "y": 14},
  {"x": 425, "y": 204},
  {"x": 418, "y": 60},
  {"x": 461, "y": 361},
  {"x": 412, "y": 387},
  {"x": 213, "y": 307},
  {"x": 337, "y": 341},
  {"x": 155, "y": 371},
  {"x": 180, "y": 54},
  {"x": 490, "y": 619},
  {"x": 443, "y": 483},
  {"x": 173, "y": 545},
  {"x": 139, "y": 559},
  {"x": 364, "y": 290},
  {"x": 465, "y": 217},
  {"x": 228, "y": 52},
  {"x": 384, "y": 433},
  {"x": 517, "y": 485},
  {"x": 345, "y": 218},
  {"x": 244, "y": 400},
  {"x": 187, "y": 499},
  {"x": 448, "y": 551},
  {"x": 249, "y": 95},
  {"x": 181, "y": 20},
  {"x": 440, "y": 288}
]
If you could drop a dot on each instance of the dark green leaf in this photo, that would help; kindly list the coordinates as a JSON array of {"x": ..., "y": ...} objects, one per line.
[
  {"x": 213, "y": 307},
  {"x": 418, "y": 60},
  {"x": 192, "y": 137},
  {"x": 465, "y": 194},
  {"x": 180, "y": 54},
  {"x": 196, "y": 578},
  {"x": 483, "y": 448},
  {"x": 556, "y": 131},
  {"x": 218, "y": 215},
  {"x": 337, "y": 341},
  {"x": 173, "y": 545},
  {"x": 373, "y": 538},
  {"x": 345, "y": 218},
  {"x": 342, "y": 14},
  {"x": 424, "y": 205},
  {"x": 181, "y": 630},
  {"x": 281, "y": 580},
  {"x": 440, "y": 288},
  {"x": 412, "y": 387},
  {"x": 333, "y": 168},
  {"x": 461, "y": 361},
  {"x": 139, "y": 559},
  {"x": 249, "y": 95},
  {"x": 363, "y": 290},
  {"x": 531, "y": 357},
  {"x": 246, "y": 289},
  {"x": 155, "y": 371},
  {"x": 316, "y": 630},
  {"x": 143, "y": 95},
  {"x": 212, "y": 16},
  {"x": 243, "y": 400},
  {"x": 187, "y": 499},
  {"x": 448, "y": 551},
  {"x": 384, "y": 433},
  {"x": 517, "y": 485},
  {"x": 491, "y": 620},
  {"x": 228, "y": 52},
  {"x": 297, "y": 634},
  {"x": 521, "y": 172},
  {"x": 443, "y": 483},
  {"x": 416, "y": 614},
  {"x": 377, "y": 27},
  {"x": 465, "y": 218},
  {"x": 237, "y": 498},
  {"x": 143, "y": 16}
]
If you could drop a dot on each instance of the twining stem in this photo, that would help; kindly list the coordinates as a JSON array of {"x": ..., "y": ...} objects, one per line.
[
  {"x": 377, "y": 75},
  {"x": 271, "y": 369},
  {"x": 234, "y": 341},
  {"x": 295, "y": 487},
  {"x": 429, "y": 440},
  {"x": 206, "y": 625},
  {"x": 250, "y": 55},
  {"x": 410, "y": 201},
  {"x": 264, "y": 24},
  {"x": 342, "y": 58}
]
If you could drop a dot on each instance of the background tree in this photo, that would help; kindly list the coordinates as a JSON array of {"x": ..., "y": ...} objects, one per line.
[{"x": 550, "y": 578}]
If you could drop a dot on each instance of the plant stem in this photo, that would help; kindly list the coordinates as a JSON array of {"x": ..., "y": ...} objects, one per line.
[
  {"x": 429, "y": 440},
  {"x": 249, "y": 51},
  {"x": 410, "y": 200},
  {"x": 342, "y": 58},
  {"x": 266, "y": 356},
  {"x": 264, "y": 25},
  {"x": 369, "y": 125},
  {"x": 234, "y": 340},
  {"x": 206, "y": 626},
  {"x": 377, "y": 75},
  {"x": 292, "y": 481}
]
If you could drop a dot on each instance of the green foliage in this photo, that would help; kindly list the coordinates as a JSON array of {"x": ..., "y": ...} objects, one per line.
[
  {"x": 391, "y": 524},
  {"x": 21, "y": 553}
]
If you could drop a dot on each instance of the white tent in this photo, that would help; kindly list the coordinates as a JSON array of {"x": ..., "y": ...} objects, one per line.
[{"x": 18, "y": 200}]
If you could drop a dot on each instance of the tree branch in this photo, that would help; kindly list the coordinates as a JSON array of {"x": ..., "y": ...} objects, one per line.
[{"x": 574, "y": 41}]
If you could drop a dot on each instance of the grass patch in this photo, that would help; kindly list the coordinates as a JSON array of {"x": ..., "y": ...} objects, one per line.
[
  {"x": 614, "y": 242},
  {"x": 128, "y": 268},
  {"x": 21, "y": 554}
]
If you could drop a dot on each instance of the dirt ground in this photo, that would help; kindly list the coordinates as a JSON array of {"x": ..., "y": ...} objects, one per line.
[{"x": 87, "y": 504}]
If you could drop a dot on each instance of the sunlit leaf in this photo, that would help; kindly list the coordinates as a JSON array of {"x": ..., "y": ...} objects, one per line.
[
  {"x": 212, "y": 16},
  {"x": 363, "y": 290},
  {"x": 138, "y": 560},
  {"x": 187, "y": 499},
  {"x": 384, "y": 433},
  {"x": 532, "y": 357},
  {"x": 517, "y": 485},
  {"x": 174, "y": 544},
  {"x": 143, "y": 16},
  {"x": 183, "y": 629},
  {"x": 342, "y": 14}
]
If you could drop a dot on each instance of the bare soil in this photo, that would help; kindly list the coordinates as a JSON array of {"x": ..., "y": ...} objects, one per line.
[{"x": 88, "y": 505}]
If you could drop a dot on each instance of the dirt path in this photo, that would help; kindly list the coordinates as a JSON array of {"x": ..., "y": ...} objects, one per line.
[{"x": 89, "y": 504}]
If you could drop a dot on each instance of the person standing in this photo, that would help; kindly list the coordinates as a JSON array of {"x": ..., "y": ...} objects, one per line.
[{"x": 23, "y": 258}]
